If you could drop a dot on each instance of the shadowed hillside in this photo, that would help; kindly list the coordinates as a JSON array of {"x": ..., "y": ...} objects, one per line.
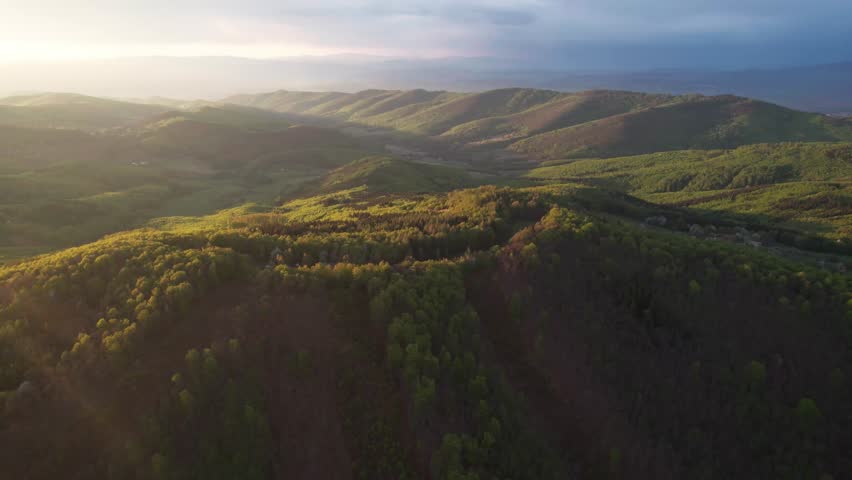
[
  {"x": 24, "y": 148},
  {"x": 60, "y": 187}
]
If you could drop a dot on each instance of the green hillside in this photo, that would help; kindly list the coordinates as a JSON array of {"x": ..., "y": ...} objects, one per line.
[
  {"x": 241, "y": 141},
  {"x": 440, "y": 118},
  {"x": 72, "y": 111},
  {"x": 820, "y": 208},
  {"x": 455, "y": 328},
  {"x": 222, "y": 292},
  {"x": 684, "y": 123},
  {"x": 396, "y": 100},
  {"x": 175, "y": 103},
  {"x": 697, "y": 170},
  {"x": 562, "y": 111},
  {"x": 284, "y": 101},
  {"x": 65, "y": 187},
  {"x": 23, "y": 148},
  {"x": 387, "y": 174},
  {"x": 804, "y": 186},
  {"x": 545, "y": 124},
  {"x": 54, "y": 98},
  {"x": 230, "y": 115},
  {"x": 80, "y": 112}
]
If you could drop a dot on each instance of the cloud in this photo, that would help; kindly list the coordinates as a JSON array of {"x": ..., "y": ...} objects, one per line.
[
  {"x": 501, "y": 28},
  {"x": 497, "y": 16},
  {"x": 452, "y": 12}
]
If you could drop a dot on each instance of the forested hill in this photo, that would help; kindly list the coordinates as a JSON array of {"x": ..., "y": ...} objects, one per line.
[
  {"x": 217, "y": 291},
  {"x": 488, "y": 333},
  {"x": 797, "y": 186},
  {"x": 546, "y": 124}
]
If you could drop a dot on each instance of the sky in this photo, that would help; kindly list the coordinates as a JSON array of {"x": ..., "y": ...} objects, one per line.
[{"x": 552, "y": 33}]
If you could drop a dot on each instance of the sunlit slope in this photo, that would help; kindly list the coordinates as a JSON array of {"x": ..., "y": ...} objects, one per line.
[
  {"x": 562, "y": 111},
  {"x": 697, "y": 170},
  {"x": 803, "y": 186},
  {"x": 443, "y": 117},
  {"x": 286, "y": 101},
  {"x": 226, "y": 114},
  {"x": 343, "y": 105},
  {"x": 545, "y": 124},
  {"x": 685, "y": 122},
  {"x": 416, "y": 111},
  {"x": 396, "y": 100}
]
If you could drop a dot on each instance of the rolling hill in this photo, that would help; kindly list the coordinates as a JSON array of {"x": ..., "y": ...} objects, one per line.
[
  {"x": 545, "y": 124},
  {"x": 444, "y": 335},
  {"x": 224, "y": 146},
  {"x": 218, "y": 291},
  {"x": 801, "y": 186},
  {"x": 81, "y": 112},
  {"x": 61, "y": 187},
  {"x": 691, "y": 122},
  {"x": 387, "y": 174},
  {"x": 564, "y": 111},
  {"x": 72, "y": 111},
  {"x": 23, "y": 148},
  {"x": 224, "y": 114}
]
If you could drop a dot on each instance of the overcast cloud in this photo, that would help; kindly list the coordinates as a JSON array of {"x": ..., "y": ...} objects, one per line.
[{"x": 582, "y": 33}]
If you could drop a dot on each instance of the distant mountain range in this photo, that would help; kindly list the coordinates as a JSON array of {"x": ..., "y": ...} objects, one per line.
[{"x": 818, "y": 88}]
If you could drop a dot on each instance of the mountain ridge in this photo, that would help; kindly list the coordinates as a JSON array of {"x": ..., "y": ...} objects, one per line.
[
  {"x": 812, "y": 87},
  {"x": 547, "y": 124}
]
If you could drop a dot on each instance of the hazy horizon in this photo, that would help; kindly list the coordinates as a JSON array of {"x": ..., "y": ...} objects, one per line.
[
  {"x": 581, "y": 34},
  {"x": 213, "y": 49},
  {"x": 822, "y": 87}
]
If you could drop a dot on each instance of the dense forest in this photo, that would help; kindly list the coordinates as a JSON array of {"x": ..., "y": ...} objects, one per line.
[{"x": 235, "y": 292}]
